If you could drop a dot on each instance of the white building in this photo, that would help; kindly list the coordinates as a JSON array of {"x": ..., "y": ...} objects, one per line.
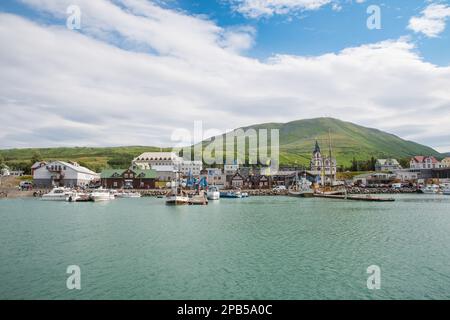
[
  {"x": 4, "y": 171},
  {"x": 151, "y": 160},
  {"x": 230, "y": 169},
  {"x": 421, "y": 162},
  {"x": 407, "y": 174},
  {"x": 60, "y": 173},
  {"x": 387, "y": 165},
  {"x": 165, "y": 173},
  {"x": 216, "y": 177}
]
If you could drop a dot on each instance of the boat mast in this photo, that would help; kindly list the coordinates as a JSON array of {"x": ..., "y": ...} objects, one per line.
[{"x": 330, "y": 157}]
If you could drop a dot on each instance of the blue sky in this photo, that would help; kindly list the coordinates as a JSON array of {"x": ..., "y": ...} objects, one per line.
[
  {"x": 307, "y": 32},
  {"x": 251, "y": 61}
]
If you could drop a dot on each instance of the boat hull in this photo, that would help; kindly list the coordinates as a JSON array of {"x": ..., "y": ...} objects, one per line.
[
  {"x": 177, "y": 201},
  {"x": 213, "y": 195}
]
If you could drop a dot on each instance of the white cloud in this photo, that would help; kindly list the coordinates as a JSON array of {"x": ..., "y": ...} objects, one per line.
[
  {"x": 259, "y": 8},
  {"x": 432, "y": 20},
  {"x": 60, "y": 87}
]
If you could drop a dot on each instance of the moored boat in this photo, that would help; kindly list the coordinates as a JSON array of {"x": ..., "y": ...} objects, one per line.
[
  {"x": 301, "y": 188},
  {"x": 176, "y": 196},
  {"x": 446, "y": 190},
  {"x": 429, "y": 189},
  {"x": 79, "y": 197},
  {"x": 128, "y": 194},
  {"x": 231, "y": 194},
  {"x": 102, "y": 195},
  {"x": 57, "y": 194},
  {"x": 213, "y": 193}
]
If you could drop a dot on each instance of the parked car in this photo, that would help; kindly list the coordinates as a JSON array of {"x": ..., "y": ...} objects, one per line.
[
  {"x": 397, "y": 186},
  {"x": 279, "y": 188},
  {"x": 25, "y": 185}
]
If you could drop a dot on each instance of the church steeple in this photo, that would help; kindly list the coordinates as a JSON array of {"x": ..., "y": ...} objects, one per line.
[{"x": 317, "y": 148}]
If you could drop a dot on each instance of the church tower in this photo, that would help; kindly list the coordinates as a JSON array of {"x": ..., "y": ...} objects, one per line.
[{"x": 316, "y": 160}]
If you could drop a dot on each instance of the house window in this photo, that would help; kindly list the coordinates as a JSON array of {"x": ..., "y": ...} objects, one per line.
[{"x": 115, "y": 184}]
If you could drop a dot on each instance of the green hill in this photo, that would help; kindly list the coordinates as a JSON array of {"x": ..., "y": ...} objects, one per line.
[{"x": 297, "y": 140}]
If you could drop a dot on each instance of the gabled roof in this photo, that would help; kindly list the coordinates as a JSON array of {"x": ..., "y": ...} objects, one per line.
[
  {"x": 421, "y": 159},
  {"x": 38, "y": 164},
  {"x": 143, "y": 174},
  {"x": 72, "y": 166}
]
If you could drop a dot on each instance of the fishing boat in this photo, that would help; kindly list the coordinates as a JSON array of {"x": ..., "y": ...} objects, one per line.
[
  {"x": 57, "y": 194},
  {"x": 176, "y": 196},
  {"x": 301, "y": 187},
  {"x": 213, "y": 193},
  {"x": 429, "y": 189},
  {"x": 102, "y": 195}
]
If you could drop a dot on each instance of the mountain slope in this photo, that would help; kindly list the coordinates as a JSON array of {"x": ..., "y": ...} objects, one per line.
[
  {"x": 297, "y": 140},
  {"x": 349, "y": 140}
]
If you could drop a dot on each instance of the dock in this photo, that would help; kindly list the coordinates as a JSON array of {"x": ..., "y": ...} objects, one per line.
[{"x": 354, "y": 198}]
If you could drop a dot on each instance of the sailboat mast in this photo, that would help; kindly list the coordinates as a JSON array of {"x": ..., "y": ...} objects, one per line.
[{"x": 330, "y": 157}]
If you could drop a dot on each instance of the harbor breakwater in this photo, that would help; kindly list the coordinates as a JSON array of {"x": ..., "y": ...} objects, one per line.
[{"x": 14, "y": 193}]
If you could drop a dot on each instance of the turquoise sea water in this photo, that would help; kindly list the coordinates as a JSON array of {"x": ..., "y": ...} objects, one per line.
[{"x": 254, "y": 248}]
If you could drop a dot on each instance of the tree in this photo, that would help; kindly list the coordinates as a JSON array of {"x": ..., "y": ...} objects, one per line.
[
  {"x": 2, "y": 160},
  {"x": 36, "y": 157}
]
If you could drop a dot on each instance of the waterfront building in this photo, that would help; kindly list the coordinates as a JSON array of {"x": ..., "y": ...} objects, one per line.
[
  {"x": 370, "y": 179},
  {"x": 445, "y": 163},
  {"x": 387, "y": 165},
  {"x": 231, "y": 169},
  {"x": 407, "y": 175},
  {"x": 237, "y": 180},
  {"x": 128, "y": 179},
  {"x": 215, "y": 177},
  {"x": 424, "y": 162},
  {"x": 165, "y": 173},
  {"x": 37, "y": 165},
  {"x": 322, "y": 165},
  {"x": 61, "y": 173},
  {"x": 4, "y": 170},
  {"x": 151, "y": 160}
]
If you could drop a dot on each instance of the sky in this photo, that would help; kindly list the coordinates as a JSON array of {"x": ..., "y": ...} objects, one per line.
[{"x": 133, "y": 72}]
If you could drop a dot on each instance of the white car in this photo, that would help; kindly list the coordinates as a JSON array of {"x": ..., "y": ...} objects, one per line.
[{"x": 279, "y": 188}]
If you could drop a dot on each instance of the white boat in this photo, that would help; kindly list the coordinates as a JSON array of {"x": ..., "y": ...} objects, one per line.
[
  {"x": 176, "y": 195},
  {"x": 79, "y": 197},
  {"x": 301, "y": 188},
  {"x": 430, "y": 189},
  {"x": 102, "y": 195},
  {"x": 213, "y": 193},
  {"x": 57, "y": 194},
  {"x": 127, "y": 194},
  {"x": 446, "y": 190}
]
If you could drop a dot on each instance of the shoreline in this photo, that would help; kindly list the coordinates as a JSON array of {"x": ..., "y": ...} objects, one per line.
[{"x": 8, "y": 193}]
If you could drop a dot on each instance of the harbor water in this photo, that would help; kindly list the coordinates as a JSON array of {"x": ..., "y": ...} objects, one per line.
[{"x": 253, "y": 248}]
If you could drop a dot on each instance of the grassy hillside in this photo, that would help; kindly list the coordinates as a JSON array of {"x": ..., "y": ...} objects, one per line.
[
  {"x": 349, "y": 141},
  {"x": 297, "y": 140},
  {"x": 93, "y": 158}
]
